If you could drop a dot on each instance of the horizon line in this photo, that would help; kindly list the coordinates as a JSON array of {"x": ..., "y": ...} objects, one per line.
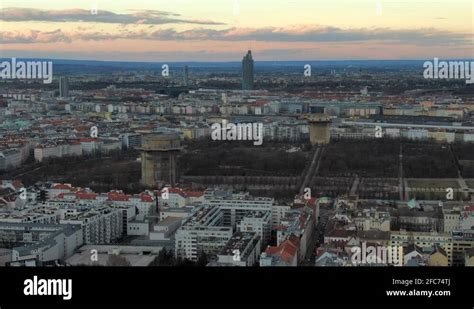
[{"x": 233, "y": 61}]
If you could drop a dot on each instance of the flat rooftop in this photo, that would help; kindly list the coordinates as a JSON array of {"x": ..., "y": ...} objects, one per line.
[
  {"x": 136, "y": 255},
  {"x": 238, "y": 241}
]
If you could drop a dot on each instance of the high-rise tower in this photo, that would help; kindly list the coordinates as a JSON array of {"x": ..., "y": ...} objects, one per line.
[
  {"x": 247, "y": 71},
  {"x": 63, "y": 87}
]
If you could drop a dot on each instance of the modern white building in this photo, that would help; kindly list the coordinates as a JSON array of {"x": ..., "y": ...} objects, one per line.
[
  {"x": 202, "y": 233},
  {"x": 166, "y": 228},
  {"x": 258, "y": 222},
  {"x": 236, "y": 205},
  {"x": 35, "y": 244},
  {"x": 138, "y": 228},
  {"x": 127, "y": 204},
  {"x": 100, "y": 225},
  {"x": 135, "y": 255},
  {"x": 243, "y": 249},
  {"x": 181, "y": 212}
]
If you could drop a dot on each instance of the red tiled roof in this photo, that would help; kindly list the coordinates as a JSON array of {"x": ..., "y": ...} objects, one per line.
[
  {"x": 88, "y": 140},
  {"x": 62, "y": 186},
  {"x": 62, "y": 195},
  {"x": 194, "y": 193},
  {"x": 86, "y": 196},
  {"x": 82, "y": 128},
  {"x": 17, "y": 184},
  {"x": 146, "y": 198},
  {"x": 118, "y": 197},
  {"x": 177, "y": 191},
  {"x": 260, "y": 102},
  {"x": 286, "y": 250}
]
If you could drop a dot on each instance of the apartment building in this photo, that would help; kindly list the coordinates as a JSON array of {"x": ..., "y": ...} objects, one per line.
[
  {"x": 203, "y": 232},
  {"x": 463, "y": 241},
  {"x": 9, "y": 159},
  {"x": 423, "y": 240},
  {"x": 258, "y": 222},
  {"x": 57, "y": 149},
  {"x": 236, "y": 205},
  {"x": 372, "y": 219},
  {"x": 242, "y": 249},
  {"x": 299, "y": 223},
  {"x": 451, "y": 220},
  {"x": 36, "y": 244},
  {"x": 102, "y": 225}
]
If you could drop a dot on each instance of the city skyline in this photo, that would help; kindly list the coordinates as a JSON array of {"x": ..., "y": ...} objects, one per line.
[
  {"x": 290, "y": 145},
  {"x": 297, "y": 30}
]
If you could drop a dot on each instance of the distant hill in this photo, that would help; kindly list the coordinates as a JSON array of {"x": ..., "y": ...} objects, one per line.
[{"x": 104, "y": 67}]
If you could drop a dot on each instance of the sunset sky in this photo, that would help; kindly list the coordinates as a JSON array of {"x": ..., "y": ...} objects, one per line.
[{"x": 222, "y": 30}]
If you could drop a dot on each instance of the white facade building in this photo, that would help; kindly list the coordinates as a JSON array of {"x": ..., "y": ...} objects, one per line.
[
  {"x": 202, "y": 233},
  {"x": 258, "y": 222},
  {"x": 243, "y": 249},
  {"x": 100, "y": 226}
]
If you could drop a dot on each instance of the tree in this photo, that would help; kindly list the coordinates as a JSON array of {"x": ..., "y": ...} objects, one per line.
[
  {"x": 164, "y": 258},
  {"x": 203, "y": 259},
  {"x": 117, "y": 260},
  {"x": 6, "y": 240}
]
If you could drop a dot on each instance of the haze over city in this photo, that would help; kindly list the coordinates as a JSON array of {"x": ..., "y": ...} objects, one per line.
[{"x": 219, "y": 30}]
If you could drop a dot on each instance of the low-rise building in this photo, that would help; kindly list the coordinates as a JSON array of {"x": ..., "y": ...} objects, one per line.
[
  {"x": 57, "y": 149},
  {"x": 469, "y": 257},
  {"x": 258, "y": 222},
  {"x": 37, "y": 244},
  {"x": 242, "y": 249},
  {"x": 166, "y": 228},
  {"x": 285, "y": 254},
  {"x": 423, "y": 240}
]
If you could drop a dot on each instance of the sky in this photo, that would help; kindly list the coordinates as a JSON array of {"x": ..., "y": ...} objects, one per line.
[{"x": 223, "y": 30}]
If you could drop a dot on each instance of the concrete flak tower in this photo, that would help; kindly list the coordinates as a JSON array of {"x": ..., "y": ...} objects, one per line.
[
  {"x": 159, "y": 159},
  {"x": 319, "y": 129}
]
